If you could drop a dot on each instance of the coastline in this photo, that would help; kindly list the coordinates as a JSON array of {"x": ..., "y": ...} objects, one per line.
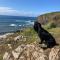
[
  {"x": 4, "y": 35},
  {"x": 18, "y": 30}
]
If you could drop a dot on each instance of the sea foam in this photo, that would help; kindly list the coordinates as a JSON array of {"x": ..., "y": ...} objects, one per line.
[
  {"x": 12, "y": 25},
  {"x": 29, "y": 22}
]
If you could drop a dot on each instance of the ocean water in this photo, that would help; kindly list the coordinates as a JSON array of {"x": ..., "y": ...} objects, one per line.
[{"x": 14, "y": 23}]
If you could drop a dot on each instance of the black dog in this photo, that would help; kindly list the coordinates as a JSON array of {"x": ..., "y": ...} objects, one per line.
[{"x": 44, "y": 35}]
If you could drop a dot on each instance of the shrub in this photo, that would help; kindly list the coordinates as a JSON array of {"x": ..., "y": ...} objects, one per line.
[{"x": 50, "y": 25}]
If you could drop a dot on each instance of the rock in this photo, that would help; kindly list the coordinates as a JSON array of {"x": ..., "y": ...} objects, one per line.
[
  {"x": 15, "y": 54},
  {"x": 39, "y": 55},
  {"x": 54, "y": 54},
  {"x": 32, "y": 52},
  {"x": 9, "y": 45},
  {"x": 6, "y": 56},
  {"x": 18, "y": 38},
  {"x": 43, "y": 45}
]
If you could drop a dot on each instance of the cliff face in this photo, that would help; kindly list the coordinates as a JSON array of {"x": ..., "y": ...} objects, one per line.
[
  {"x": 45, "y": 18},
  {"x": 32, "y": 52}
]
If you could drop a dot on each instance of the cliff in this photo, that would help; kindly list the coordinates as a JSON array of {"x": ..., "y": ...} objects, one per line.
[{"x": 48, "y": 17}]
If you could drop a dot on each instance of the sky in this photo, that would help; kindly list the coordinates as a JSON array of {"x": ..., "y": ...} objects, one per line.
[{"x": 28, "y": 7}]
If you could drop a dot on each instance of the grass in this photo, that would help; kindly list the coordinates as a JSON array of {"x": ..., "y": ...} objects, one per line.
[{"x": 30, "y": 35}]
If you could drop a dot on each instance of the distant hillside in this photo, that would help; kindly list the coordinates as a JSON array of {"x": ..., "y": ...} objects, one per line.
[{"x": 50, "y": 17}]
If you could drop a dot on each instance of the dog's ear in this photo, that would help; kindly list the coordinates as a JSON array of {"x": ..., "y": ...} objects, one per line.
[
  {"x": 37, "y": 23},
  {"x": 36, "y": 26}
]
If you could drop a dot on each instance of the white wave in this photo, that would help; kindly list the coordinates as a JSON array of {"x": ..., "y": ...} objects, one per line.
[
  {"x": 20, "y": 25},
  {"x": 12, "y": 25},
  {"x": 30, "y": 22}
]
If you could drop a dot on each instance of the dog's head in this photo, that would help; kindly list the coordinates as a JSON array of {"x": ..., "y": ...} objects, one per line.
[{"x": 37, "y": 26}]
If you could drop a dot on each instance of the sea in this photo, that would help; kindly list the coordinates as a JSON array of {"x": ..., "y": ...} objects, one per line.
[{"x": 14, "y": 23}]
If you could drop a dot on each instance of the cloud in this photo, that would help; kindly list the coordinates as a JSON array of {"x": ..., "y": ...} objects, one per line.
[
  {"x": 7, "y": 11},
  {"x": 11, "y": 11}
]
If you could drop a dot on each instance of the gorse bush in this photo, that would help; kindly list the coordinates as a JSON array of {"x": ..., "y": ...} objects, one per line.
[{"x": 50, "y": 25}]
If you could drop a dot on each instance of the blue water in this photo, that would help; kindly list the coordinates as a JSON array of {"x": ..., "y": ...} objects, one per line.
[{"x": 14, "y": 23}]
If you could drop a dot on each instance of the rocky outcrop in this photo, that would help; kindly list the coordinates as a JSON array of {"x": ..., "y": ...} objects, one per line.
[
  {"x": 32, "y": 52},
  {"x": 20, "y": 38}
]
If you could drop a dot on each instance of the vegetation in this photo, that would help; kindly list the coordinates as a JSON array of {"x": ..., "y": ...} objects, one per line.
[{"x": 50, "y": 25}]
